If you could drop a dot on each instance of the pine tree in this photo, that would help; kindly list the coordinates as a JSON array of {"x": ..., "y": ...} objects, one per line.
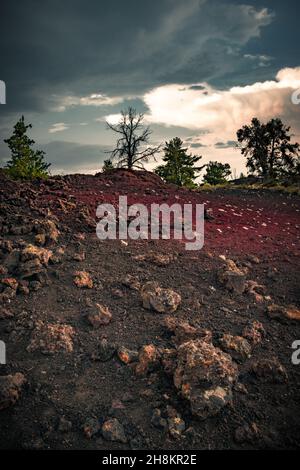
[
  {"x": 179, "y": 166},
  {"x": 107, "y": 165},
  {"x": 25, "y": 163},
  {"x": 216, "y": 173}
]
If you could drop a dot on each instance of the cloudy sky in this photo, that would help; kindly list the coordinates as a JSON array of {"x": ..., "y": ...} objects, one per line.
[{"x": 197, "y": 69}]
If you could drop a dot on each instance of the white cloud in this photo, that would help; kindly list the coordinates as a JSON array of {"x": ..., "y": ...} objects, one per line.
[
  {"x": 58, "y": 127},
  {"x": 221, "y": 113}
]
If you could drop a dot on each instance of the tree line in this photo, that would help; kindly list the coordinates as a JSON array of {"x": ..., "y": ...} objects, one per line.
[{"x": 268, "y": 149}]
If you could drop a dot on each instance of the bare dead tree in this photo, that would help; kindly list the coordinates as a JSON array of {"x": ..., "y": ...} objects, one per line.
[{"x": 132, "y": 146}]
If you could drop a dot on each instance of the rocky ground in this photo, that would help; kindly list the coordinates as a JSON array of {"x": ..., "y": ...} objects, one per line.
[{"x": 144, "y": 345}]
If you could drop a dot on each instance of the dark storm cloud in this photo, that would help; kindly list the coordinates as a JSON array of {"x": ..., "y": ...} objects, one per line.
[
  {"x": 197, "y": 145},
  {"x": 74, "y": 157},
  {"x": 53, "y": 49},
  {"x": 226, "y": 145}
]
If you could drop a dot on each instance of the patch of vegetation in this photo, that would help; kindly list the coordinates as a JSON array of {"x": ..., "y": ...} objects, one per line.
[
  {"x": 180, "y": 167},
  {"x": 25, "y": 163}
]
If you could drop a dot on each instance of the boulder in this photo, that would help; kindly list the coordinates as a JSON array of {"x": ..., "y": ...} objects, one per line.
[
  {"x": 50, "y": 338},
  {"x": 204, "y": 376}
]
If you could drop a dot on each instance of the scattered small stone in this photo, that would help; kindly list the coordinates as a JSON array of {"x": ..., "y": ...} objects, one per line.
[
  {"x": 91, "y": 427},
  {"x": 176, "y": 426},
  {"x": 105, "y": 351},
  {"x": 158, "y": 421},
  {"x": 132, "y": 282},
  {"x": 247, "y": 433},
  {"x": 40, "y": 239},
  {"x": 113, "y": 430},
  {"x": 232, "y": 277},
  {"x": 83, "y": 279},
  {"x": 127, "y": 355},
  {"x": 161, "y": 300},
  {"x": 148, "y": 358},
  {"x": 155, "y": 258},
  {"x": 79, "y": 257},
  {"x": 101, "y": 316}
]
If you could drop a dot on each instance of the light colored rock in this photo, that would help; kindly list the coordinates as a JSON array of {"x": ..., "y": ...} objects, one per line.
[
  {"x": 83, "y": 279},
  {"x": 204, "y": 376},
  {"x": 50, "y": 338}
]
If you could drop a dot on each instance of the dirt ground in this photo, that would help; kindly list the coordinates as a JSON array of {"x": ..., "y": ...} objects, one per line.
[{"x": 76, "y": 381}]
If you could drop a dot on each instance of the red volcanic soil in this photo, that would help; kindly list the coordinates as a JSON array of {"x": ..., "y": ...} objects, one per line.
[
  {"x": 67, "y": 383},
  {"x": 246, "y": 221}
]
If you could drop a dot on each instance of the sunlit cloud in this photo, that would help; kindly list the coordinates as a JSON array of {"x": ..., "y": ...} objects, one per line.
[
  {"x": 222, "y": 112},
  {"x": 58, "y": 127}
]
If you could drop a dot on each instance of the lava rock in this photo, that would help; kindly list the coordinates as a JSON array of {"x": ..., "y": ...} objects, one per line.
[{"x": 161, "y": 300}]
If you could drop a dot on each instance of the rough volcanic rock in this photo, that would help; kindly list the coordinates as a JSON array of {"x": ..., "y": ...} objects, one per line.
[
  {"x": 100, "y": 316},
  {"x": 48, "y": 228},
  {"x": 105, "y": 351},
  {"x": 91, "y": 427},
  {"x": 10, "y": 389},
  {"x": 156, "y": 258},
  {"x": 50, "y": 338},
  {"x": 237, "y": 346},
  {"x": 232, "y": 277},
  {"x": 279, "y": 312},
  {"x": 32, "y": 252},
  {"x": 269, "y": 370},
  {"x": 183, "y": 331},
  {"x": 161, "y": 300},
  {"x": 113, "y": 430},
  {"x": 83, "y": 279},
  {"x": 204, "y": 376},
  {"x": 127, "y": 355},
  {"x": 30, "y": 268},
  {"x": 254, "y": 332},
  {"x": 148, "y": 358},
  {"x": 132, "y": 282}
]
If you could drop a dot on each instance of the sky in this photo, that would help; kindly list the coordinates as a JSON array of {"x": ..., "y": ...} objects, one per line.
[{"x": 197, "y": 69}]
